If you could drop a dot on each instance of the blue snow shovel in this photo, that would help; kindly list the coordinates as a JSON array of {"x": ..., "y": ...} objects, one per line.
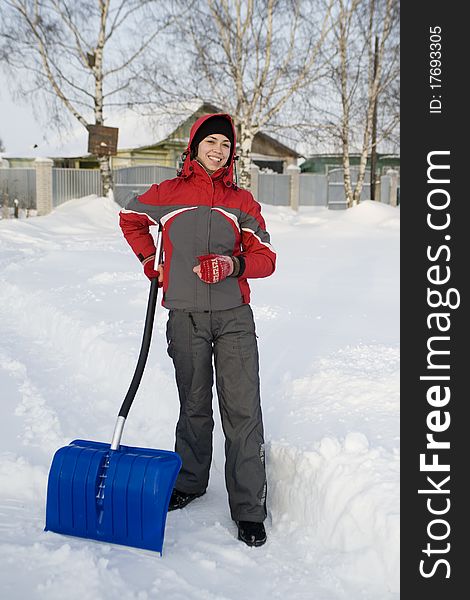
[{"x": 113, "y": 493}]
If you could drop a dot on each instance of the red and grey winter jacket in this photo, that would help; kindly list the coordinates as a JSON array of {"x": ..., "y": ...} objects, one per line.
[{"x": 201, "y": 214}]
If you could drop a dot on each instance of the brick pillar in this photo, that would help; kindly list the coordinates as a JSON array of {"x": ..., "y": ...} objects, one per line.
[
  {"x": 254, "y": 171},
  {"x": 43, "y": 168},
  {"x": 294, "y": 172},
  {"x": 393, "y": 186}
]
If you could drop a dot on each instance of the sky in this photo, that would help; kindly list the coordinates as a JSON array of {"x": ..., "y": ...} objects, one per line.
[
  {"x": 19, "y": 129},
  {"x": 22, "y": 130}
]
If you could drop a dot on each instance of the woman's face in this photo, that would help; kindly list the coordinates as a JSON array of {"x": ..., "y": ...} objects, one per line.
[{"x": 213, "y": 151}]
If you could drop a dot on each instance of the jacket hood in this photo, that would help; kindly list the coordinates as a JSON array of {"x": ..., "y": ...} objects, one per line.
[{"x": 188, "y": 168}]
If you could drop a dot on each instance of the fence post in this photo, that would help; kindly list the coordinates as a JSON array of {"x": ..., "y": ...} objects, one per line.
[
  {"x": 378, "y": 189},
  {"x": 294, "y": 174},
  {"x": 3, "y": 192},
  {"x": 254, "y": 180},
  {"x": 384, "y": 189},
  {"x": 43, "y": 168},
  {"x": 393, "y": 186}
]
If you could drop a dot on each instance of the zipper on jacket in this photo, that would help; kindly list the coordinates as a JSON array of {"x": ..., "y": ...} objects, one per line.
[
  {"x": 209, "y": 303},
  {"x": 209, "y": 218}
]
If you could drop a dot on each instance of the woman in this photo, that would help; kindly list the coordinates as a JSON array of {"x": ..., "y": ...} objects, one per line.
[{"x": 214, "y": 239}]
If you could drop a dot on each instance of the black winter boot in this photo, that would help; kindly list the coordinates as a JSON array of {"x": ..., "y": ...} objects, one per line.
[
  {"x": 253, "y": 534},
  {"x": 181, "y": 499}
]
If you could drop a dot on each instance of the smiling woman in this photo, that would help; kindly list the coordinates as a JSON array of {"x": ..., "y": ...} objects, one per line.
[{"x": 214, "y": 240}]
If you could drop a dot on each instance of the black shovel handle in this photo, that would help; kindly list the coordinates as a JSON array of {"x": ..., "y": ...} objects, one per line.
[{"x": 147, "y": 336}]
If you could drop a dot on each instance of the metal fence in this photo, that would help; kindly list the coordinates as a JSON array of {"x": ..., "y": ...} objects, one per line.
[
  {"x": 145, "y": 174},
  {"x": 385, "y": 190},
  {"x": 313, "y": 190},
  {"x": 336, "y": 196},
  {"x": 274, "y": 189},
  {"x": 74, "y": 183},
  {"x": 129, "y": 181},
  {"x": 18, "y": 184}
]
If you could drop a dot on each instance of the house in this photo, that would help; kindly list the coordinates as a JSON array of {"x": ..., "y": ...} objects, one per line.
[
  {"x": 322, "y": 163},
  {"x": 267, "y": 152}
]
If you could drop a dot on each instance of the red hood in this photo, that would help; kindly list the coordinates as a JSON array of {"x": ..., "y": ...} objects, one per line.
[{"x": 187, "y": 169}]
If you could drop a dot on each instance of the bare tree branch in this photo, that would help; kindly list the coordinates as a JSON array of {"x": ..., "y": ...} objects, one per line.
[
  {"x": 72, "y": 51},
  {"x": 250, "y": 57}
]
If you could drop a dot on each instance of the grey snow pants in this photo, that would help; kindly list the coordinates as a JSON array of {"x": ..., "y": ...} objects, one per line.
[{"x": 228, "y": 335}]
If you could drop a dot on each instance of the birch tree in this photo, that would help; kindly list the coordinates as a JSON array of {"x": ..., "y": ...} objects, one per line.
[
  {"x": 249, "y": 57},
  {"x": 77, "y": 55},
  {"x": 363, "y": 35}
]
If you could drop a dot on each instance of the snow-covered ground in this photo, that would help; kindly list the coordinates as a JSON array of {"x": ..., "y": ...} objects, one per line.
[{"x": 72, "y": 301}]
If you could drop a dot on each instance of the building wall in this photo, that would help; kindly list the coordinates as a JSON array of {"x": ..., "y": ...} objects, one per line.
[
  {"x": 321, "y": 163},
  {"x": 266, "y": 149}
]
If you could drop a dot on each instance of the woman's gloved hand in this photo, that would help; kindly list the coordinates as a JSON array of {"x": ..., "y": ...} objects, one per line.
[
  {"x": 149, "y": 269},
  {"x": 213, "y": 268}
]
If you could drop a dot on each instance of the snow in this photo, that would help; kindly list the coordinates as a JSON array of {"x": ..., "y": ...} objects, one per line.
[{"x": 72, "y": 302}]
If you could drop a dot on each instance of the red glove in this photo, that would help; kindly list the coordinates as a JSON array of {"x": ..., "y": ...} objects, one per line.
[
  {"x": 214, "y": 267},
  {"x": 149, "y": 269}
]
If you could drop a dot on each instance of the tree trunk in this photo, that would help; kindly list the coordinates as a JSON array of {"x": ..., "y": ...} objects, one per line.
[
  {"x": 244, "y": 164},
  {"x": 373, "y": 151},
  {"x": 105, "y": 167},
  {"x": 362, "y": 165},
  {"x": 345, "y": 103},
  {"x": 348, "y": 190},
  {"x": 106, "y": 174},
  {"x": 375, "y": 74},
  {"x": 371, "y": 103}
]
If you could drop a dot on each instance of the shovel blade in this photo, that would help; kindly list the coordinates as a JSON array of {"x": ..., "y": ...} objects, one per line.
[{"x": 115, "y": 496}]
